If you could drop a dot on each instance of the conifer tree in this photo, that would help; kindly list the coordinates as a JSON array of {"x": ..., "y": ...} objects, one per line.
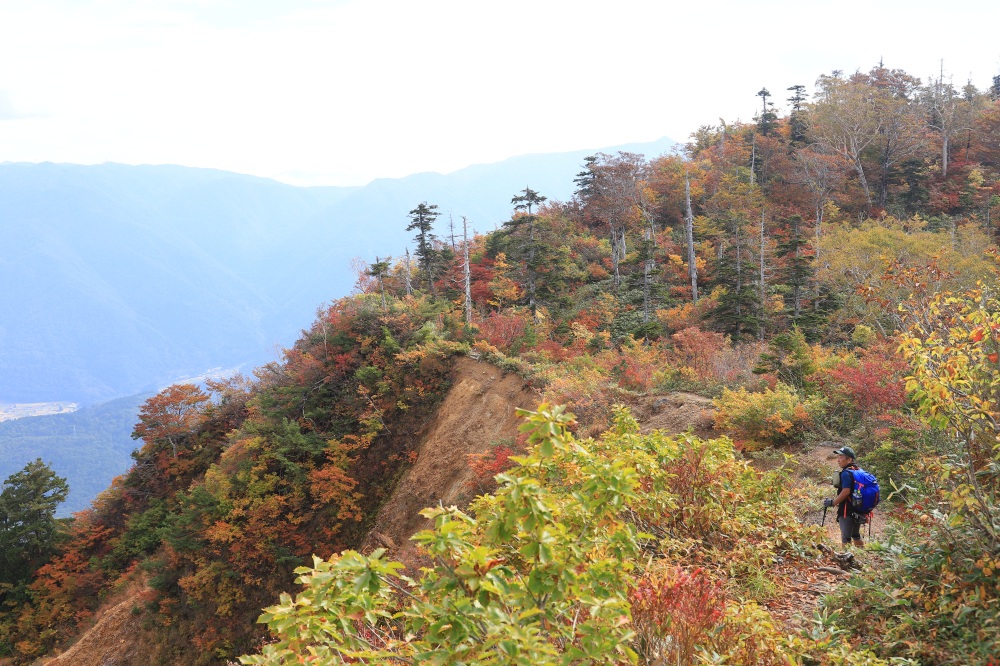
[
  {"x": 28, "y": 526},
  {"x": 522, "y": 226},
  {"x": 796, "y": 119},
  {"x": 767, "y": 119},
  {"x": 798, "y": 268},
  {"x": 422, "y": 221},
  {"x": 739, "y": 307},
  {"x": 379, "y": 270}
]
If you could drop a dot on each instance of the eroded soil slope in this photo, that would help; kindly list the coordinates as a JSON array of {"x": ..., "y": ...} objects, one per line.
[
  {"x": 478, "y": 411},
  {"x": 114, "y": 640},
  {"x": 675, "y": 413}
]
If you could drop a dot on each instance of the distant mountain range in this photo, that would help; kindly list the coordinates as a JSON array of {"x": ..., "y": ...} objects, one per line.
[{"x": 120, "y": 279}]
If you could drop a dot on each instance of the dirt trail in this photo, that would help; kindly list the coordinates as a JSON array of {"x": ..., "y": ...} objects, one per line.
[
  {"x": 113, "y": 641},
  {"x": 803, "y": 586}
]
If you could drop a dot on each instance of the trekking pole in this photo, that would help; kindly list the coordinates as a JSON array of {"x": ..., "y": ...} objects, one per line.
[{"x": 824, "y": 516}]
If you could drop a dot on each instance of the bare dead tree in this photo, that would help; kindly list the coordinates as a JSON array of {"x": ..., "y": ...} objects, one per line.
[
  {"x": 689, "y": 237},
  {"x": 466, "y": 270},
  {"x": 407, "y": 274}
]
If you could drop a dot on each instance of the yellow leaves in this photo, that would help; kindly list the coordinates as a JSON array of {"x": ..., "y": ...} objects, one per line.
[
  {"x": 504, "y": 289},
  {"x": 773, "y": 416}
]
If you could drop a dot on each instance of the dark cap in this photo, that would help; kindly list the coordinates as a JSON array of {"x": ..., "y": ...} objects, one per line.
[{"x": 846, "y": 451}]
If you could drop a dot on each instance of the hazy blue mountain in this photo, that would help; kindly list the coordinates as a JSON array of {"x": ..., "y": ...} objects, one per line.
[
  {"x": 88, "y": 447},
  {"x": 119, "y": 279}
]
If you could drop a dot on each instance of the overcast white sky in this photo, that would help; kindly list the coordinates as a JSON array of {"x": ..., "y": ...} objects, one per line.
[{"x": 343, "y": 91}]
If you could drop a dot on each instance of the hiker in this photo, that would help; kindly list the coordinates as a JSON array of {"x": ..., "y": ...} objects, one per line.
[{"x": 850, "y": 521}]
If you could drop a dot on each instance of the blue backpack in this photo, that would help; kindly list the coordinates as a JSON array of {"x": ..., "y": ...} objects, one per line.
[{"x": 865, "y": 494}]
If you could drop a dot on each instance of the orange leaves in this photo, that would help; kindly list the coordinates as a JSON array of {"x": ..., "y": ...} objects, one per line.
[
  {"x": 332, "y": 485},
  {"x": 173, "y": 413},
  {"x": 221, "y": 532}
]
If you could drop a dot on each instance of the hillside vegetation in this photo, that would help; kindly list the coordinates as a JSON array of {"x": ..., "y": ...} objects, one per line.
[{"x": 821, "y": 280}]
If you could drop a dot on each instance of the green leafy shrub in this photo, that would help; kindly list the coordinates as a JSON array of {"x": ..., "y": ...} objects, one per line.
[
  {"x": 556, "y": 567},
  {"x": 936, "y": 602},
  {"x": 788, "y": 358}
]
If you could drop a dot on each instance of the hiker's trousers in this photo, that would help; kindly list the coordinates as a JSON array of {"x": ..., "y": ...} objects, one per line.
[{"x": 849, "y": 528}]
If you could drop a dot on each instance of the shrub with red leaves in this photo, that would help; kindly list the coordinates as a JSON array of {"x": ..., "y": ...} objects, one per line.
[
  {"x": 501, "y": 330},
  {"x": 673, "y": 612},
  {"x": 874, "y": 387},
  {"x": 487, "y": 465}
]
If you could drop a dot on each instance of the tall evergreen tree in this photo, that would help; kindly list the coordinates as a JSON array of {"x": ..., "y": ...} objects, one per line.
[
  {"x": 739, "y": 307},
  {"x": 798, "y": 270},
  {"x": 585, "y": 179},
  {"x": 28, "y": 526},
  {"x": 796, "y": 119},
  {"x": 767, "y": 119},
  {"x": 422, "y": 221},
  {"x": 522, "y": 226},
  {"x": 379, "y": 270}
]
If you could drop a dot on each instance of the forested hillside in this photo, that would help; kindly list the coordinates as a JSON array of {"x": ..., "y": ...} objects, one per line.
[{"x": 825, "y": 276}]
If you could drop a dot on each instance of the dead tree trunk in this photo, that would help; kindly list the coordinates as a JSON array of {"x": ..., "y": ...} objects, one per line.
[
  {"x": 467, "y": 270},
  {"x": 689, "y": 234},
  {"x": 406, "y": 274}
]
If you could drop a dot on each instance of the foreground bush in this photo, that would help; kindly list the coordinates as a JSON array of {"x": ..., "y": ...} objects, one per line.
[
  {"x": 937, "y": 600},
  {"x": 572, "y": 561}
]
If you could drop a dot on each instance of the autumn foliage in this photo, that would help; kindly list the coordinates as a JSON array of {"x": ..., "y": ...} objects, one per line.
[
  {"x": 233, "y": 488},
  {"x": 762, "y": 266}
]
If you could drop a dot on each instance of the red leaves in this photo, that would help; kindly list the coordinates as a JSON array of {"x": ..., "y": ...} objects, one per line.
[
  {"x": 684, "y": 606},
  {"x": 487, "y": 465},
  {"x": 874, "y": 386},
  {"x": 697, "y": 349},
  {"x": 502, "y": 330}
]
